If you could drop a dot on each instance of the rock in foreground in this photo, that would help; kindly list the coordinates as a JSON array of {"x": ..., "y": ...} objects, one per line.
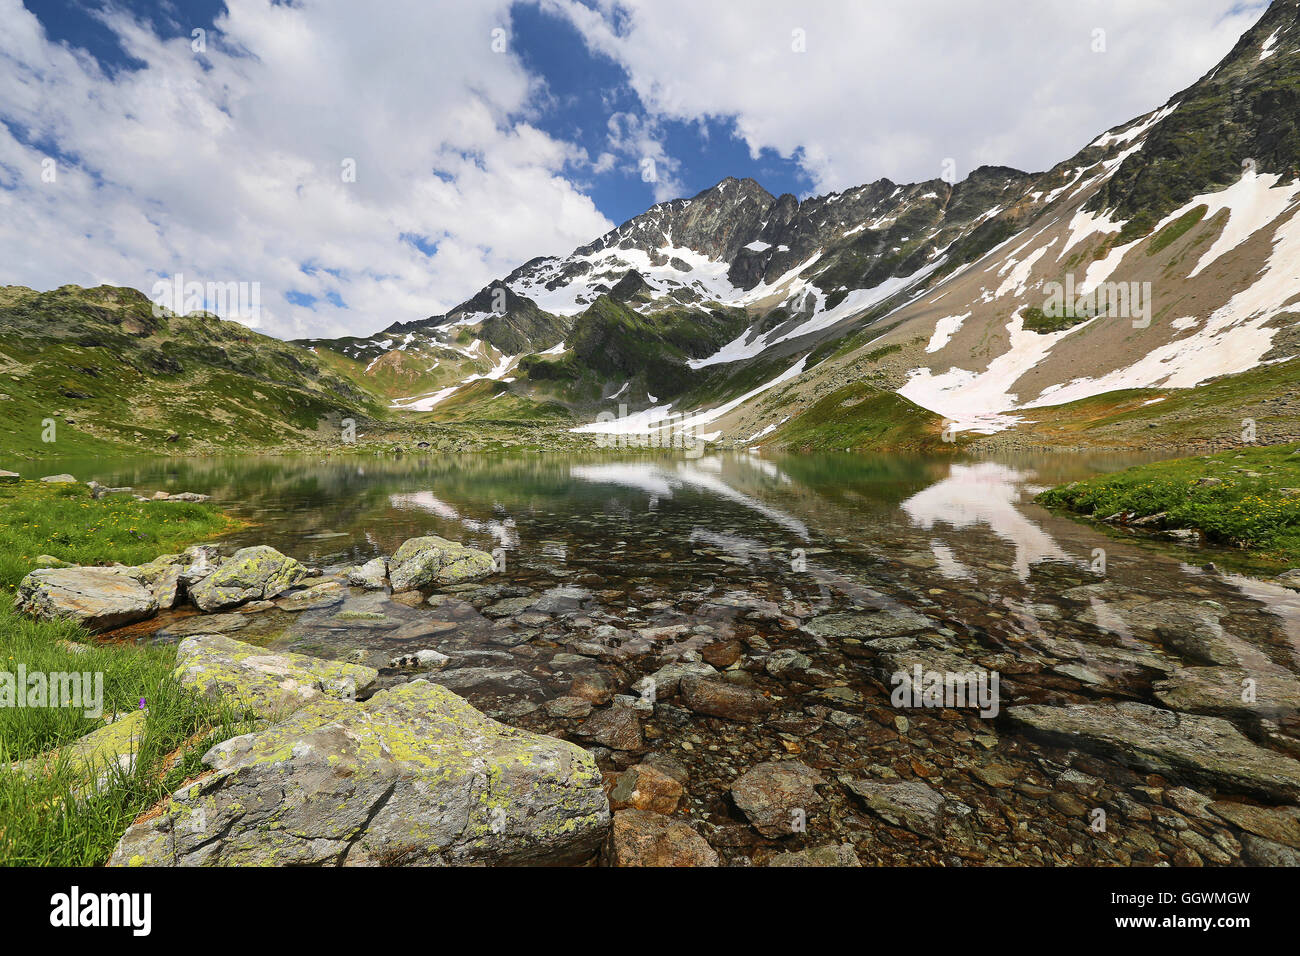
[
  {"x": 642, "y": 838},
  {"x": 777, "y": 796},
  {"x": 413, "y": 776},
  {"x": 421, "y": 562},
  {"x": 250, "y": 574},
  {"x": 1163, "y": 741},
  {"x": 98, "y": 598},
  {"x": 269, "y": 683}
]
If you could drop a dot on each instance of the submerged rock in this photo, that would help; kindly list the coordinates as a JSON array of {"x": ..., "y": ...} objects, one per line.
[
  {"x": 97, "y": 598},
  {"x": 718, "y": 698},
  {"x": 1231, "y": 691},
  {"x": 909, "y": 804},
  {"x": 642, "y": 838},
  {"x": 615, "y": 727},
  {"x": 887, "y": 623},
  {"x": 421, "y": 562},
  {"x": 646, "y": 787},
  {"x": 413, "y": 776},
  {"x": 842, "y": 855},
  {"x": 250, "y": 574},
  {"x": 1166, "y": 741},
  {"x": 269, "y": 683},
  {"x": 776, "y": 796}
]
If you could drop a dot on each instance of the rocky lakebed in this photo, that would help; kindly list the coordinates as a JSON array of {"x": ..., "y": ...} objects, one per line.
[{"x": 693, "y": 698}]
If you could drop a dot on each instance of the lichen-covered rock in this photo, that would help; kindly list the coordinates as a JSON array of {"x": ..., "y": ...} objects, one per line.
[
  {"x": 162, "y": 576},
  {"x": 100, "y": 755},
  {"x": 420, "y": 562},
  {"x": 413, "y": 776},
  {"x": 373, "y": 575},
  {"x": 269, "y": 683},
  {"x": 98, "y": 598},
  {"x": 1165, "y": 741},
  {"x": 250, "y": 574}
]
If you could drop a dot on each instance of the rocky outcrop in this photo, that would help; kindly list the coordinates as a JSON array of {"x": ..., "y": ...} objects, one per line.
[
  {"x": 97, "y": 598},
  {"x": 1164, "y": 741},
  {"x": 413, "y": 776},
  {"x": 270, "y": 684},
  {"x": 422, "y": 562},
  {"x": 250, "y": 574}
]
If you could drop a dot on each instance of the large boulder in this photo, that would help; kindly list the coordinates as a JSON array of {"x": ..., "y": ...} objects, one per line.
[
  {"x": 98, "y": 598},
  {"x": 250, "y": 574},
  {"x": 421, "y": 562},
  {"x": 413, "y": 776},
  {"x": 1208, "y": 748},
  {"x": 269, "y": 683}
]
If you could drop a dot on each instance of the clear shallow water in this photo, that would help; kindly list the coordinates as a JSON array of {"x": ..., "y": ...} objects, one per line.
[{"x": 618, "y": 566}]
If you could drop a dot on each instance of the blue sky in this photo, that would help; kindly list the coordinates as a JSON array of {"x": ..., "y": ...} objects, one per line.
[
  {"x": 583, "y": 89},
  {"x": 482, "y": 134}
]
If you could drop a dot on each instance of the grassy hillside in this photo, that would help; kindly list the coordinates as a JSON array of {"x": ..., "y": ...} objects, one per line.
[
  {"x": 110, "y": 375},
  {"x": 860, "y": 417}
]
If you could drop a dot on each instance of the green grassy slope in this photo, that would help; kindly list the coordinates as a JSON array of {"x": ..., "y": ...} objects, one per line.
[{"x": 111, "y": 376}]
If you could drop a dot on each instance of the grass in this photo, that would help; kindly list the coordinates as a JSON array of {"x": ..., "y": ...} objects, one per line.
[
  {"x": 53, "y": 817},
  {"x": 1246, "y": 509},
  {"x": 861, "y": 417}
]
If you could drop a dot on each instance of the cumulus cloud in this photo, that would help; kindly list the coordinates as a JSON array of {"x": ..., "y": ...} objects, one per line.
[
  {"x": 230, "y": 164},
  {"x": 859, "y": 91}
]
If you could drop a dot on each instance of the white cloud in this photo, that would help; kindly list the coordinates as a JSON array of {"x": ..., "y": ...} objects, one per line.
[
  {"x": 894, "y": 89},
  {"x": 226, "y": 165},
  {"x": 640, "y": 141}
]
